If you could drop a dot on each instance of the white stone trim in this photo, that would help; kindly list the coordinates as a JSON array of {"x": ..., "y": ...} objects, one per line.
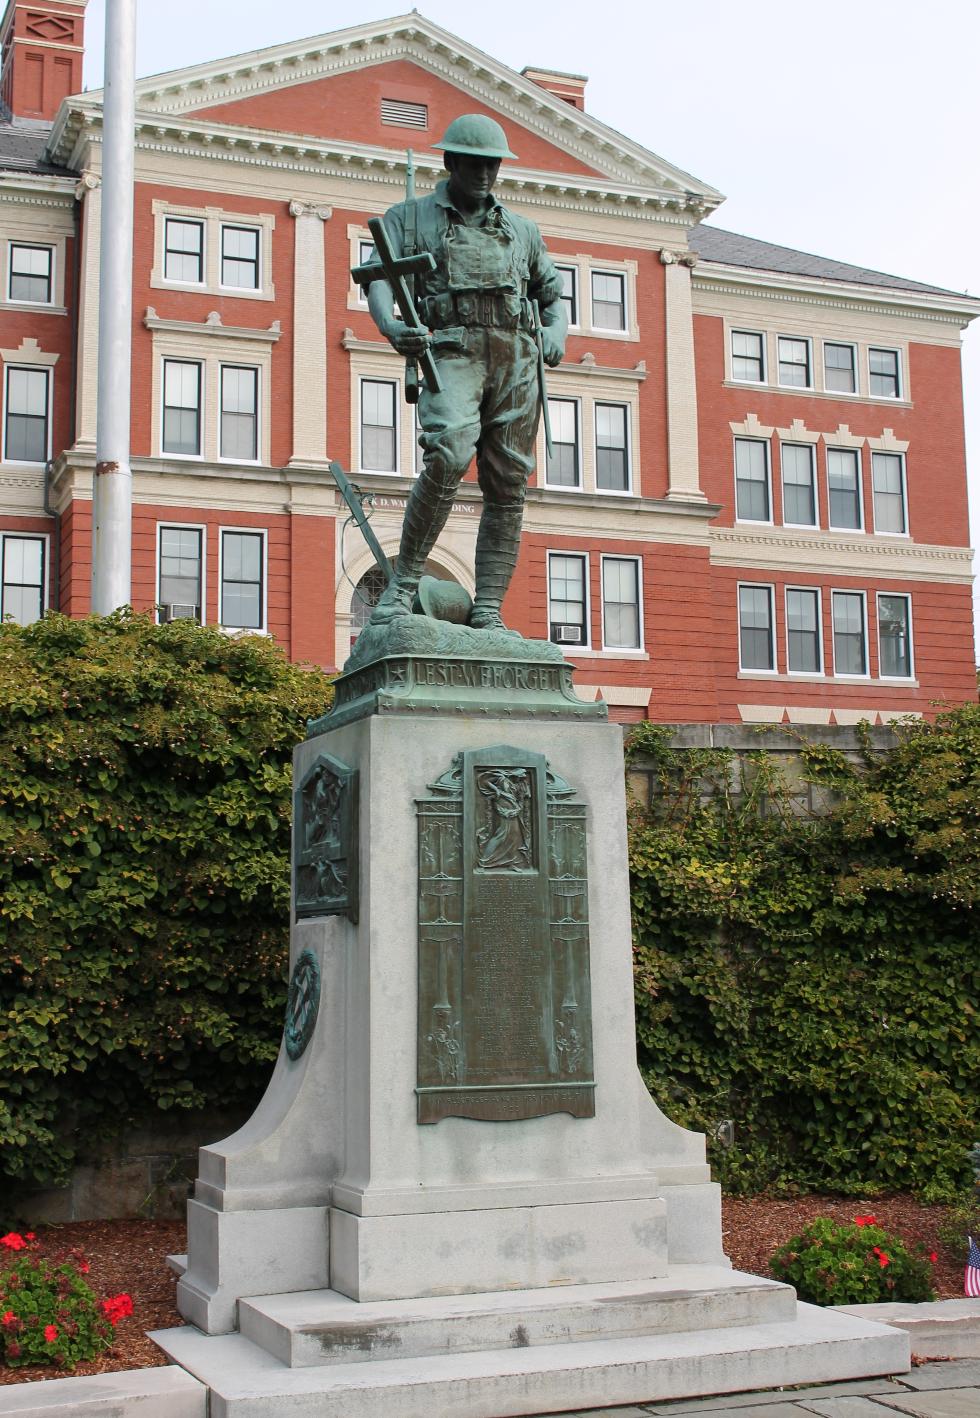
[
  {"x": 29, "y": 352},
  {"x": 888, "y": 443},
  {"x": 684, "y": 480},
  {"x": 213, "y": 219},
  {"x": 376, "y": 360},
  {"x": 750, "y": 427},
  {"x": 309, "y": 335},
  {"x": 89, "y": 194},
  {"x": 773, "y": 326},
  {"x": 777, "y": 549},
  {"x": 212, "y": 326},
  {"x": 618, "y": 387},
  {"x": 798, "y": 433}
]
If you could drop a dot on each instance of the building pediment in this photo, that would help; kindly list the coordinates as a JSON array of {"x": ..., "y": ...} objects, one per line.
[{"x": 297, "y": 80}]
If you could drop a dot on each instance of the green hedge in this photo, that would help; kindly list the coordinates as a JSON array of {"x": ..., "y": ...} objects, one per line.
[
  {"x": 144, "y": 881},
  {"x": 816, "y": 978}
]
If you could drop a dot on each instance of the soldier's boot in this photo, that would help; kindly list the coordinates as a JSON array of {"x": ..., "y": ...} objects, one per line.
[
  {"x": 497, "y": 545},
  {"x": 429, "y": 505}
]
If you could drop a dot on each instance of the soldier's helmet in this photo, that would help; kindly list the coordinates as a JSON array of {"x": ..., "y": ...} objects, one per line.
[{"x": 475, "y": 135}]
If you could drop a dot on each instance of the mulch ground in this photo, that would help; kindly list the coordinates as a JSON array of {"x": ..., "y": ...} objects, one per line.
[{"x": 130, "y": 1256}]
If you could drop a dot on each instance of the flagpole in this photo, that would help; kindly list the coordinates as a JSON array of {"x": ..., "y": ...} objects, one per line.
[{"x": 112, "y": 490}]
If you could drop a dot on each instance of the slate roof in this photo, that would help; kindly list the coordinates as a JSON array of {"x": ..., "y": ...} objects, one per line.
[
  {"x": 727, "y": 247},
  {"x": 22, "y": 145}
]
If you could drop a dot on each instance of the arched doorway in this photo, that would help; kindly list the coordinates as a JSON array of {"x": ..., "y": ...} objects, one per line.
[{"x": 367, "y": 594}]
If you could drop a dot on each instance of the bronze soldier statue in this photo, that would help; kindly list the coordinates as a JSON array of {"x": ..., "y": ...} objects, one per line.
[{"x": 488, "y": 266}]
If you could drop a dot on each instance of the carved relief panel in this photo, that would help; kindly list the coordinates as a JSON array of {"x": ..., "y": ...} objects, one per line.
[{"x": 325, "y": 840}]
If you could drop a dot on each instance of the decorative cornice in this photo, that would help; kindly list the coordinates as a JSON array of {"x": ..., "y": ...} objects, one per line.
[
  {"x": 19, "y": 189},
  {"x": 779, "y": 549},
  {"x": 417, "y": 39},
  {"x": 212, "y": 326},
  {"x": 679, "y": 258},
  {"x": 587, "y": 365},
  {"x": 867, "y": 300}
]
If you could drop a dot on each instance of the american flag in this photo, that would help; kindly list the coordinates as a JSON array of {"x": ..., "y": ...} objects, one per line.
[{"x": 971, "y": 1276}]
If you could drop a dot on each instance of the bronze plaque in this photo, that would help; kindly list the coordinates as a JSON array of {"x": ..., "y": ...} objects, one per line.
[
  {"x": 504, "y": 1003},
  {"x": 325, "y": 840}
]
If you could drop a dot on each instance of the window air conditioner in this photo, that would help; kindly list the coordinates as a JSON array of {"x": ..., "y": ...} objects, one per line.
[
  {"x": 568, "y": 634},
  {"x": 174, "y": 610}
]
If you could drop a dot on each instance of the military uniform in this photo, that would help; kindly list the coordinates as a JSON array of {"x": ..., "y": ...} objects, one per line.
[{"x": 477, "y": 303}]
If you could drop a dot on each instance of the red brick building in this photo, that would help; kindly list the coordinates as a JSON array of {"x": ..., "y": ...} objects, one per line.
[{"x": 756, "y": 509}]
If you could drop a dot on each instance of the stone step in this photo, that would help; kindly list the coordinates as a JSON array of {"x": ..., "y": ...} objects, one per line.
[
  {"x": 818, "y": 1346},
  {"x": 324, "y": 1327}
]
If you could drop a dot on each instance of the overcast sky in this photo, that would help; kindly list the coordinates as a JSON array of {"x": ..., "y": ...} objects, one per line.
[{"x": 849, "y": 128}]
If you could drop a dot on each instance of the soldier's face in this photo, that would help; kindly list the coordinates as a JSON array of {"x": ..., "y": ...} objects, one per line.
[{"x": 472, "y": 178}]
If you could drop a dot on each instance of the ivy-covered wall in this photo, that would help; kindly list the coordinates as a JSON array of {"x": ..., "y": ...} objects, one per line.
[{"x": 807, "y": 950}]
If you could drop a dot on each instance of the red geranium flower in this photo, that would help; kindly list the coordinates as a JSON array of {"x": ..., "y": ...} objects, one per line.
[
  {"x": 50, "y": 1333},
  {"x": 933, "y": 1257},
  {"x": 13, "y": 1241},
  {"x": 865, "y": 1220},
  {"x": 883, "y": 1260},
  {"x": 8, "y": 1319}
]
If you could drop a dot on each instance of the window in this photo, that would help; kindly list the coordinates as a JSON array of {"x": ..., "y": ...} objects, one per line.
[
  {"x": 567, "y": 605},
  {"x": 883, "y": 369},
  {"x": 756, "y": 640},
  {"x": 803, "y": 653},
  {"x": 181, "y": 408},
  {"x": 569, "y": 292},
  {"x": 22, "y": 596},
  {"x": 183, "y": 253},
  {"x": 844, "y": 485},
  {"x": 242, "y": 589},
  {"x": 608, "y": 300},
  {"x": 239, "y": 413},
  {"x": 612, "y": 472},
  {"x": 419, "y": 450},
  {"x": 748, "y": 357},
  {"x": 378, "y": 435},
  {"x": 839, "y": 368},
  {"x": 30, "y": 273},
  {"x": 26, "y": 423},
  {"x": 799, "y": 485},
  {"x": 180, "y": 561},
  {"x": 563, "y": 466},
  {"x": 850, "y": 639},
  {"x": 751, "y": 480},
  {"x": 888, "y": 481},
  {"x": 895, "y": 637},
  {"x": 367, "y": 594},
  {"x": 621, "y": 603},
  {"x": 240, "y": 257},
  {"x": 794, "y": 362},
  {"x": 365, "y": 253}
]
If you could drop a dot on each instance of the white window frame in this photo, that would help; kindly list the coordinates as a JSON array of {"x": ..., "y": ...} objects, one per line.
[
  {"x": 48, "y": 372},
  {"x": 25, "y": 227},
  {"x": 240, "y": 364},
  {"x": 583, "y": 265},
  {"x": 52, "y": 251},
  {"x": 770, "y": 588},
  {"x": 362, "y": 295},
  {"x": 263, "y": 533},
  {"x": 831, "y": 525},
  {"x": 202, "y": 391},
  {"x": 201, "y": 223},
  {"x": 228, "y": 225},
  {"x": 579, "y": 486},
  {"x": 820, "y": 672},
  {"x": 617, "y": 331},
  {"x": 626, "y": 407},
  {"x": 767, "y": 454},
  {"x": 576, "y": 273},
  {"x": 854, "y": 393},
  {"x": 844, "y": 674},
  {"x": 731, "y": 356},
  {"x": 889, "y": 453},
  {"x": 200, "y": 527},
  {"x": 811, "y": 449},
  {"x": 899, "y": 394},
  {"x": 625, "y": 652},
  {"x": 45, "y": 540},
  {"x": 363, "y": 379},
  {"x": 213, "y": 219},
  {"x": 896, "y": 679},
  {"x": 585, "y": 558},
  {"x": 799, "y": 339}
]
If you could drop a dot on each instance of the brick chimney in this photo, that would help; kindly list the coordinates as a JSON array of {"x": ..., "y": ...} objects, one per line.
[
  {"x": 569, "y": 87},
  {"x": 40, "y": 56}
]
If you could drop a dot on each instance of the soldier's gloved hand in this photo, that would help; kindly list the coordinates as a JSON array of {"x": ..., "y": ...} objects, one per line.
[
  {"x": 553, "y": 346},
  {"x": 408, "y": 342}
]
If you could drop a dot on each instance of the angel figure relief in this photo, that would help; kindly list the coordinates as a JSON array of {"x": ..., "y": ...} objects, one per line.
[{"x": 505, "y": 840}]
